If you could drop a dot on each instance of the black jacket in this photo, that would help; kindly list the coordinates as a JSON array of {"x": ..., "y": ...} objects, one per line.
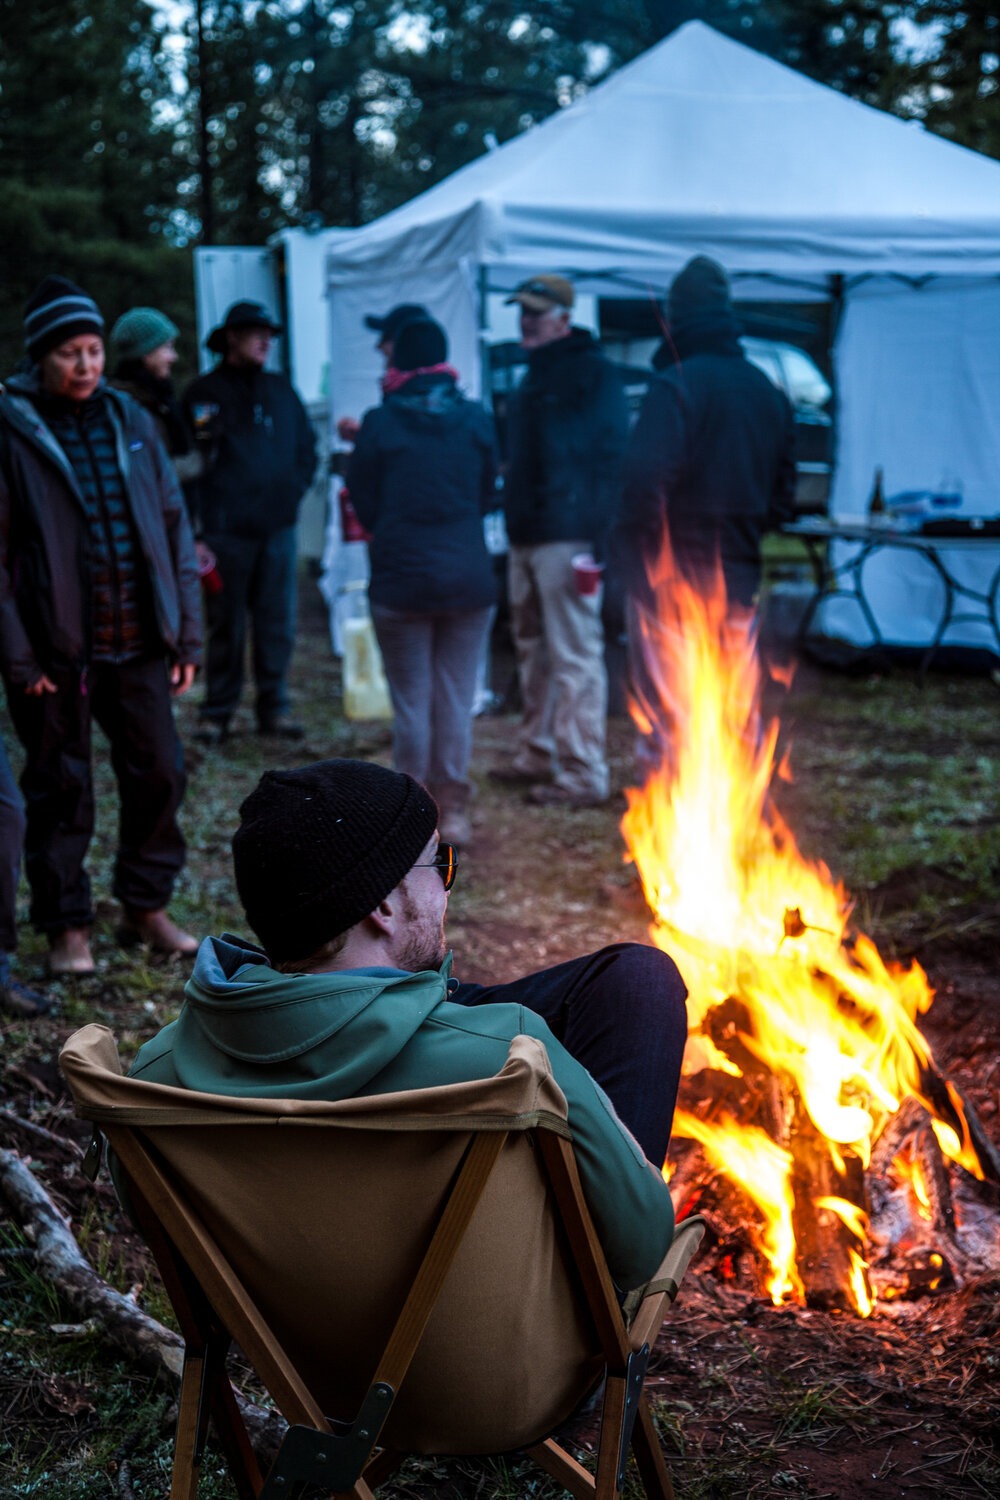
[
  {"x": 568, "y": 429},
  {"x": 157, "y": 396},
  {"x": 46, "y": 574},
  {"x": 712, "y": 457},
  {"x": 258, "y": 447},
  {"x": 421, "y": 477}
]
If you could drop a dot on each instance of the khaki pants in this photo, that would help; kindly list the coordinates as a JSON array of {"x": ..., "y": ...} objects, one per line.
[{"x": 560, "y": 657}]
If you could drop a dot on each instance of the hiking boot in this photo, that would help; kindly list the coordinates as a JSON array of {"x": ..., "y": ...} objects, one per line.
[
  {"x": 514, "y": 775},
  {"x": 211, "y": 731},
  {"x": 455, "y": 828},
  {"x": 282, "y": 727},
  {"x": 23, "y": 1004},
  {"x": 156, "y": 931},
  {"x": 69, "y": 952},
  {"x": 554, "y": 794}
]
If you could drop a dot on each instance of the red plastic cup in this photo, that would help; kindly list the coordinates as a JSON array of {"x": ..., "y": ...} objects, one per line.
[
  {"x": 587, "y": 574},
  {"x": 351, "y": 528},
  {"x": 208, "y": 571}
]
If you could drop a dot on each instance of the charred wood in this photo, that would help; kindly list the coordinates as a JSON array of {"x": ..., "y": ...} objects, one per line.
[
  {"x": 824, "y": 1241},
  {"x": 941, "y": 1096}
]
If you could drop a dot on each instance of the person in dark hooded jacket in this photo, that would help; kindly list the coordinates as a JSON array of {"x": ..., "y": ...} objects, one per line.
[
  {"x": 421, "y": 477},
  {"x": 709, "y": 468},
  {"x": 711, "y": 461}
]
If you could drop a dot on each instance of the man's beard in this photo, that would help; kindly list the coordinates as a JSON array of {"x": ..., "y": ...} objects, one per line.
[{"x": 423, "y": 946}]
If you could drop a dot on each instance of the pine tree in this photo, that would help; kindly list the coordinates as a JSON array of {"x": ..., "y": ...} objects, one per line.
[
  {"x": 960, "y": 81},
  {"x": 88, "y": 174}
]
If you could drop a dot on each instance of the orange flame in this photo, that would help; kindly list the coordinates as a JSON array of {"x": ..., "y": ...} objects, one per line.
[
  {"x": 908, "y": 1169},
  {"x": 746, "y": 916}
]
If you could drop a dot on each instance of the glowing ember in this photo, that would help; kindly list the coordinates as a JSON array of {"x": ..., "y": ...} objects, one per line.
[{"x": 749, "y": 920}]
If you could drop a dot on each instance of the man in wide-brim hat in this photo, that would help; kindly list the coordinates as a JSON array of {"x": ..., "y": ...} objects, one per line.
[
  {"x": 259, "y": 458},
  {"x": 242, "y": 315}
]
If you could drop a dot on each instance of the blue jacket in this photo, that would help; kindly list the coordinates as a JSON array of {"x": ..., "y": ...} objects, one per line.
[
  {"x": 421, "y": 478},
  {"x": 248, "y": 1031}
]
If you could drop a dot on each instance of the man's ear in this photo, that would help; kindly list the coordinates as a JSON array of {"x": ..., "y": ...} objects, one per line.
[{"x": 385, "y": 915}]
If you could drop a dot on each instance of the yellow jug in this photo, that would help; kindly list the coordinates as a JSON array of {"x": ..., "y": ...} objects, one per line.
[{"x": 366, "y": 692}]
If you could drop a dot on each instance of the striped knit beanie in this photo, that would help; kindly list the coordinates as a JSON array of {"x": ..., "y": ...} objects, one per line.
[
  {"x": 56, "y": 311},
  {"x": 318, "y": 848}
]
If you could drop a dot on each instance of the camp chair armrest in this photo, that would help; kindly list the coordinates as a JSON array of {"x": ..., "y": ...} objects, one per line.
[{"x": 646, "y": 1307}]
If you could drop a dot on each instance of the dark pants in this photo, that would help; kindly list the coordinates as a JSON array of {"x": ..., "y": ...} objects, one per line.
[
  {"x": 621, "y": 1013},
  {"x": 11, "y": 845},
  {"x": 258, "y": 583},
  {"x": 131, "y": 703}
]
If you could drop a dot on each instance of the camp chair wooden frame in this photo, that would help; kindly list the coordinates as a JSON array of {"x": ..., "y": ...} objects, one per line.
[{"x": 322, "y": 1456}]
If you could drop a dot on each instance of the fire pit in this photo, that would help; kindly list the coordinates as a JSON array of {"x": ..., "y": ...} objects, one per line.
[{"x": 817, "y": 1104}]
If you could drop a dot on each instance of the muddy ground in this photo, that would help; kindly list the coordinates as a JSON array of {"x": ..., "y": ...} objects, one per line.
[{"x": 896, "y": 788}]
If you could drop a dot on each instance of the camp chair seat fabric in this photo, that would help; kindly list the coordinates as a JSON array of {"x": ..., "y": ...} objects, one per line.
[{"x": 308, "y": 1223}]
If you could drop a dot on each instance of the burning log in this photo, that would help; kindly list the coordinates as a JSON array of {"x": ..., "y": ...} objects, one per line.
[
  {"x": 955, "y": 1110},
  {"x": 829, "y": 1240}
]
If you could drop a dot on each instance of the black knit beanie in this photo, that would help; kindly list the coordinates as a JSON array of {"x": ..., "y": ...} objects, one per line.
[
  {"x": 419, "y": 345},
  {"x": 319, "y": 847},
  {"x": 56, "y": 311},
  {"x": 700, "y": 292}
]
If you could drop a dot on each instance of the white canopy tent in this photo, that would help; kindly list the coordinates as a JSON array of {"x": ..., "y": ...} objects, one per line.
[{"x": 703, "y": 146}]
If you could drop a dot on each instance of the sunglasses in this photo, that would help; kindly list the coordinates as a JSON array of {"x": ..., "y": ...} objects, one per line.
[{"x": 445, "y": 862}]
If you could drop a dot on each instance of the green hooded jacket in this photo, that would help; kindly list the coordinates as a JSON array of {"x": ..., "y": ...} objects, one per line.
[{"x": 247, "y": 1030}]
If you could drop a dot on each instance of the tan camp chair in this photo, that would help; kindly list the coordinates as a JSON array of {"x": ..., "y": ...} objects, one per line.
[{"x": 410, "y": 1273}]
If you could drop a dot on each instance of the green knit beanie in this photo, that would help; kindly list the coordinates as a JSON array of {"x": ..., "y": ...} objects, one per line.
[{"x": 140, "y": 331}]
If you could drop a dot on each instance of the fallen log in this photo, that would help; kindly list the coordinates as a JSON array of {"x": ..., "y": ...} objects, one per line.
[{"x": 141, "y": 1339}]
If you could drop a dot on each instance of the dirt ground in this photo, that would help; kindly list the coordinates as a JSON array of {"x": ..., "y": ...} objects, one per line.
[{"x": 751, "y": 1400}]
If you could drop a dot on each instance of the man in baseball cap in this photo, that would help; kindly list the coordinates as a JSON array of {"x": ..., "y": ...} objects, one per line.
[
  {"x": 544, "y": 293},
  {"x": 344, "y": 880},
  {"x": 568, "y": 425}
]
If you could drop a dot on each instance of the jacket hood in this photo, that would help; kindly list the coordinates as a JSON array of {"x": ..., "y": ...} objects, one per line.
[
  {"x": 344, "y": 1026},
  {"x": 427, "y": 399},
  {"x": 24, "y": 382}
]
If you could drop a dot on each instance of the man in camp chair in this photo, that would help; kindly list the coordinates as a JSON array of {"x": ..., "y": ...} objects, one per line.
[{"x": 344, "y": 881}]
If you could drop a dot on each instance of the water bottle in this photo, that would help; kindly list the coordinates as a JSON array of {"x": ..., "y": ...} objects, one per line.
[{"x": 948, "y": 495}]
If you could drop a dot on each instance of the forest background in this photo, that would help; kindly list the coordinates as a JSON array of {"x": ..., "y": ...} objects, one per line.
[{"x": 133, "y": 130}]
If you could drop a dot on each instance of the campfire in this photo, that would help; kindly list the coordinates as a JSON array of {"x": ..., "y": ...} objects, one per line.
[{"x": 817, "y": 1102}]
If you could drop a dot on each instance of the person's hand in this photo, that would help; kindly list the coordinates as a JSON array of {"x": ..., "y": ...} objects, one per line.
[
  {"x": 348, "y": 429},
  {"x": 181, "y": 677},
  {"x": 42, "y": 685},
  {"x": 205, "y": 556}
]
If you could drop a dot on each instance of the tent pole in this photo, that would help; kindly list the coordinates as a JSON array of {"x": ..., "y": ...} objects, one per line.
[{"x": 485, "y": 365}]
